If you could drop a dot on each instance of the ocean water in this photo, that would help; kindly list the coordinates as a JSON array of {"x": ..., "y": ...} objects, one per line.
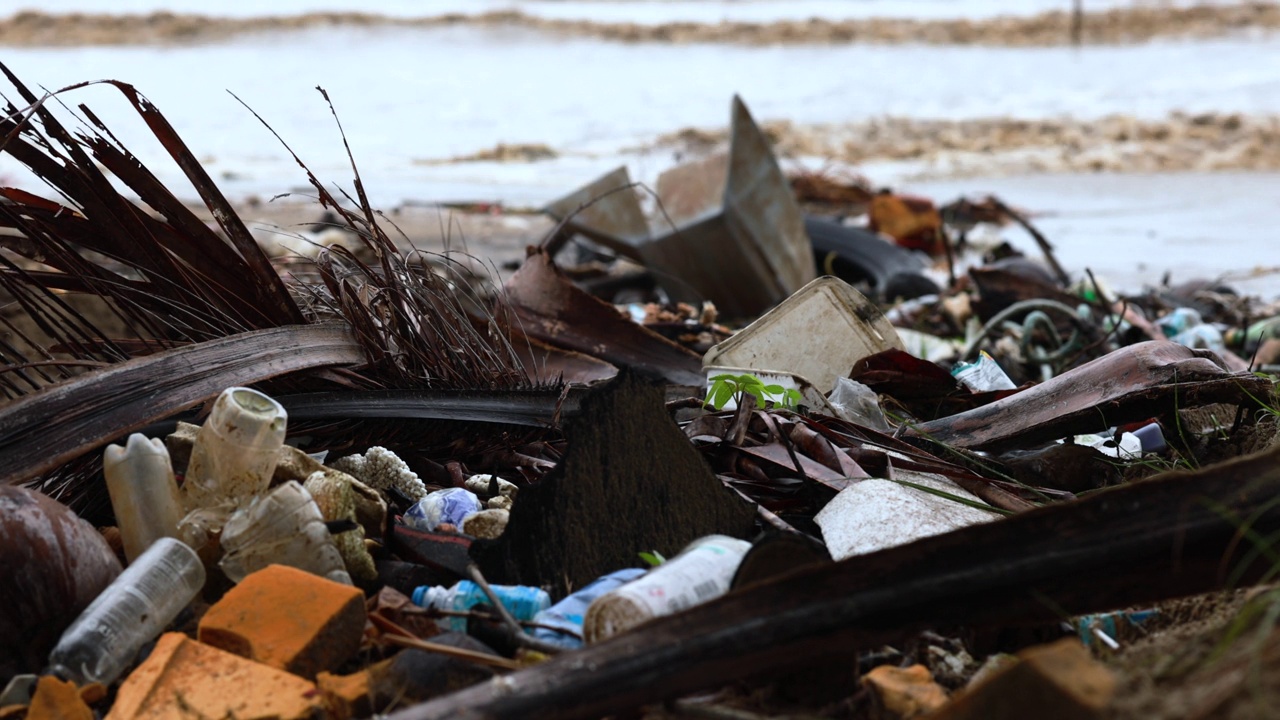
[
  {"x": 410, "y": 98},
  {"x": 406, "y": 97}
]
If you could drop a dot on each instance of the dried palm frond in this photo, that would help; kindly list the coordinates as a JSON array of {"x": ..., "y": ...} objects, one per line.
[
  {"x": 420, "y": 322},
  {"x": 168, "y": 283}
]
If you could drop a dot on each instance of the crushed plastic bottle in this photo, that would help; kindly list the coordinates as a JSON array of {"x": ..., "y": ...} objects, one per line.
[
  {"x": 523, "y": 602},
  {"x": 130, "y": 612},
  {"x": 236, "y": 450},
  {"x": 283, "y": 527},
  {"x": 144, "y": 495}
]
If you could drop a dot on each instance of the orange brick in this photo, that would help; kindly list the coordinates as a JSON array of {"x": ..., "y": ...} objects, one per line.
[
  {"x": 904, "y": 692},
  {"x": 1058, "y": 681},
  {"x": 57, "y": 700},
  {"x": 288, "y": 619},
  {"x": 184, "y": 678},
  {"x": 348, "y": 696}
]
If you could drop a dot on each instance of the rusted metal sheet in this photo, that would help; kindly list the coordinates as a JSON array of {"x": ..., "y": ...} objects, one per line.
[
  {"x": 607, "y": 211},
  {"x": 550, "y": 308},
  {"x": 1130, "y": 384},
  {"x": 730, "y": 230}
]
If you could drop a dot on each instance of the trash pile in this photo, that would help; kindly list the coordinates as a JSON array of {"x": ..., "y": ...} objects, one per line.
[{"x": 733, "y": 460}]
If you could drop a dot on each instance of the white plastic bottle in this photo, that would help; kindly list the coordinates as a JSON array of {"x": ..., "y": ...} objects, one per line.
[
  {"x": 143, "y": 492},
  {"x": 236, "y": 450},
  {"x": 131, "y": 611},
  {"x": 702, "y": 571},
  {"x": 522, "y": 601},
  {"x": 284, "y": 527}
]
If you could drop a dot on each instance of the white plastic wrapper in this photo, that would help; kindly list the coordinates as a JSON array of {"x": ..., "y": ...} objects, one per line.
[
  {"x": 451, "y": 506},
  {"x": 982, "y": 375}
]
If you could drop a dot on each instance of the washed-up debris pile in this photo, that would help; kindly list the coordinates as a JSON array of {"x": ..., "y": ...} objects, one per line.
[{"x": 768, "y": 447}]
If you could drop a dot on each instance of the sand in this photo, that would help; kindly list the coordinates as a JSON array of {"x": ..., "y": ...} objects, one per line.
[{"x": 1114, "y": 26}]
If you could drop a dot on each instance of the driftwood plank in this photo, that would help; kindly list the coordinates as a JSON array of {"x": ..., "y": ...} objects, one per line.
[
  {"x": 43, "y": 430},
  {"x": 1178, "y": 534}
]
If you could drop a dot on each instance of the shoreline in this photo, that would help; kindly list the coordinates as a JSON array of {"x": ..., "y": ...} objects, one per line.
[{"x": 1116, "y": 26}]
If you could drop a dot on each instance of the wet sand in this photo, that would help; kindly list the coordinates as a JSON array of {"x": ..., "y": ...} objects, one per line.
[
  {"x": 1114, "y": 26},
  {"x": 496, "y": 238},
  {"x": 1181, "y": 142}
]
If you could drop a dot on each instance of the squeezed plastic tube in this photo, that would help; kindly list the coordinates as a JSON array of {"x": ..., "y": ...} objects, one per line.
[{"x": 702, "y": 571}]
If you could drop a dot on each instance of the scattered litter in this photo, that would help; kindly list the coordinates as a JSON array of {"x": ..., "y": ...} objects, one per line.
[{"x": 882, "y": 493}]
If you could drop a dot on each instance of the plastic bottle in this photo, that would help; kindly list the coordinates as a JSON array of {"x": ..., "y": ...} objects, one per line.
[
  {"x": 236, "y": 450},
  {"x": 131, "y": 611},
  {"x": 1178, "y": 320},
  {"x": 567, "y": 615},
  {"x": 143, "y": 492},
  {"x": 284, "y": 527},
  {"x": 521, "y": 601},
  {"x": 1203, "y": 336},
  {"x": 702, "y": 571}
]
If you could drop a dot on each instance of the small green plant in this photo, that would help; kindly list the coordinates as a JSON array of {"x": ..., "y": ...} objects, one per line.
[
  {"x": 726, "y": 387},
  {"x": 654, "y": 559}
]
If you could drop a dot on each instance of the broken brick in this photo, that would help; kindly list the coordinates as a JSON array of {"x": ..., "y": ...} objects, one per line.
[
  {"x": 57, "y": 700},
  {"x": 1058, "y": 681},
  {"x": 904, "y": 693},
  {"x": 347, "y": 696},
  {"x": 184, "y": 678},
  {"x": 288, "y": 619}
]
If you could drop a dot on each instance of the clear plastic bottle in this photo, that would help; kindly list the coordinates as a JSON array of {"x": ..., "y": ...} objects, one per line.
[
  {"x": 131, "y": 611},
  {"x": 284, "y": 527},
  {"x": 521, "y": 601},
  {"x": 236, "y": 450},
  {"x": 702, "y": 571},
  {"x": 143, "y": 492}
]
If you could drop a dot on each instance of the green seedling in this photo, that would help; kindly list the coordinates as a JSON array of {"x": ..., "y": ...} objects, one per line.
[
  {"x": 653, "y": 559},
  {"x": 736, "y": 387}
]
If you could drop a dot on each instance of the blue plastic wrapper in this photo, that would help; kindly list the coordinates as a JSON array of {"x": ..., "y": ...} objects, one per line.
[
  {"x": 442, "y": 506},
  {"x": 568, "y": 613},
  {"x": 1116, "y": 625}
]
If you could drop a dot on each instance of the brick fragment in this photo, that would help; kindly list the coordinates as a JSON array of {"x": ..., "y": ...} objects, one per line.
[
  {"x": 347, "y": 696},
  {"x": 57, "y": 700},
  {"x": 904, "y": 693},
  {"x": 1058, "y": 681},
  {"x": 288, "y": 619},
  {"x": 184, "y": 678}
]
